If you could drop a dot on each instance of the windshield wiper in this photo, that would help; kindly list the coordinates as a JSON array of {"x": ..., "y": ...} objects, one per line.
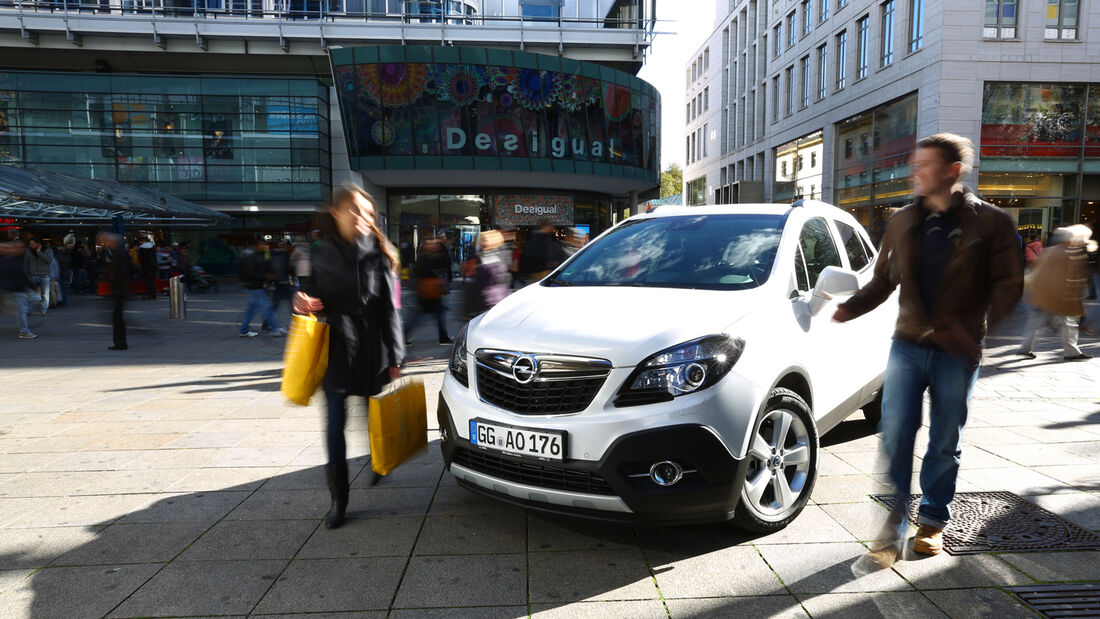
[{"x": 557, "y": 281}]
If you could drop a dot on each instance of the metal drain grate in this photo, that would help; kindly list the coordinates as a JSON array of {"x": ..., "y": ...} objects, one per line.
[
  {"x": 1002, "y": 522},
  {"x": 1077, "y": 600}
]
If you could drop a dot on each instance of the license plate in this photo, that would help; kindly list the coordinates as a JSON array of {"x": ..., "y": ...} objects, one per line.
[{"x": 543, "y": 444}]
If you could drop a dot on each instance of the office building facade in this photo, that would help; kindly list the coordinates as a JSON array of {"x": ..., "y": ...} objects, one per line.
[{"x": 825, "y": 99}]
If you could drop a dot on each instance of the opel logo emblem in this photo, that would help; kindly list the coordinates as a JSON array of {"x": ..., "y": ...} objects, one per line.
[{"x": 525, "y": 370}]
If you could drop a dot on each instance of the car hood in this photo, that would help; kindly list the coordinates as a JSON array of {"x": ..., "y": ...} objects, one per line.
[{"x": 623, "y": 325}]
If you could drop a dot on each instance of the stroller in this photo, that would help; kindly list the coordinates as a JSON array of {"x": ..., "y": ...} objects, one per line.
[{"x": 198, "y": 279}]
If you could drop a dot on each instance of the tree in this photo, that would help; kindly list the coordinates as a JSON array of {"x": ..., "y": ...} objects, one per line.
[{"x": 672, "y": 181}]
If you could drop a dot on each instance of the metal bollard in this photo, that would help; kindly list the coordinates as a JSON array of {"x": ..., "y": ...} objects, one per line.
[{"x": 177, "y": 298}]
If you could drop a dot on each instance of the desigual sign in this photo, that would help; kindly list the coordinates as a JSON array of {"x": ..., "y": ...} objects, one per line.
[
  {"x": 582, "y": 112},
  {"x": 529, "y": 210},
  {"x": 510, "y": 142}
]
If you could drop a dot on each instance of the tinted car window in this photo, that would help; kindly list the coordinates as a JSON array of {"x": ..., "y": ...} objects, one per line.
[
  {"x": 853, "y": 246},
  {"x": 818, "y": 248},
  {"x": 718, "y": 252}
]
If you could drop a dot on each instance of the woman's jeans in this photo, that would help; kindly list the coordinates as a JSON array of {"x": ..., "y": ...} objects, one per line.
[
  {"x": 911, "y": 371},
  {"x": 336, "y": 402}
]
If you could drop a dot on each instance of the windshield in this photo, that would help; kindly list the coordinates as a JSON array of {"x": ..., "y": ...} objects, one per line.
[{"x": 715, "y": 252}]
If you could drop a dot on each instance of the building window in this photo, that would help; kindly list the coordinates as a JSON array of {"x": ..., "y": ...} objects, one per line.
[
  {"x": 541, "y": 10},
  {"x": 808, "y": 16},
  {"x": 687, "y": 149},
  {"x": 888, "y": 33},
  {"x": 863, "y": 28},
  {"x": 841, "y": 60},
  {"x": 706, "y": 98},
  {"x": 705, "y": 138},
  {"x": 822, "y": 71},
  {"x": 778, "y": 39},
  {"x": 1061, "y": 20},
  {"x": 687, "y": 113},
  {"x": 697, "y": 191},
  {"x": 824, "y": 10},
  {"x": 1000, "y": 19},
  {"x": 813, "y": 160},
  {"x": 775, "y": 98},
  {"x": 792, "y": 29},
  {"x": 805, "y": 81},
  {"x": 916, "y": 25},
  {"x": 790, "y": 90},
  {"x": 783, "y": 167},
  {"x": 840, "y": 4},
  {"x": 706, "y": 59}
]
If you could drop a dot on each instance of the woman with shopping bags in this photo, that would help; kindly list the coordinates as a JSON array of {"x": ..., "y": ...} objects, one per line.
[{"x": 351, "y": 287}]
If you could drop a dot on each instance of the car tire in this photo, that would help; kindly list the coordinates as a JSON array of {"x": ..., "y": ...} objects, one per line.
[
  {"x": 872, "y": 411},
  {"x": 777, "y": 489}
]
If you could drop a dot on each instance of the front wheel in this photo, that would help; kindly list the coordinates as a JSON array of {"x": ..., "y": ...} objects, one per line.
[{"x": 782, "y": 464}]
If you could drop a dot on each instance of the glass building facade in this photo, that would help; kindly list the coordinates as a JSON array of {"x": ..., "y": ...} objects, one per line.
[
  {"x": 1040, "y": 152},
  {"x": 871, "y": 161},
  {"x": 212, "y": 139},
  {"x": 445, "y": 108}
]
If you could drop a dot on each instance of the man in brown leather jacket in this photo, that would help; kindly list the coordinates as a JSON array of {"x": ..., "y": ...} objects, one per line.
[{"x": 956, "y": 259}]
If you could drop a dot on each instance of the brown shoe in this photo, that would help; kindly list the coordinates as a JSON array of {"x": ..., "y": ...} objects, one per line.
[{"x": 929, "y": 540}]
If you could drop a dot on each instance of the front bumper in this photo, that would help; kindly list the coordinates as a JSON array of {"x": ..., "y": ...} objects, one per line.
[{"x": 617, "y": 486}]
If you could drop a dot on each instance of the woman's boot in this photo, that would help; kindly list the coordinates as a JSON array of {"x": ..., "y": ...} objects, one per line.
[{"x": 337, "y": 477}]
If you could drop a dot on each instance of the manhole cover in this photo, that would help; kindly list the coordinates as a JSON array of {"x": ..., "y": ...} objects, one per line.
[
  {"x": 1076, "y": 600},
  {"x": 1002, "y": 522}
]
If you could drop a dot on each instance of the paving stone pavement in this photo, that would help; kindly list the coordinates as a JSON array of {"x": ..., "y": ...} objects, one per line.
[{"x": 174, "y": 480}]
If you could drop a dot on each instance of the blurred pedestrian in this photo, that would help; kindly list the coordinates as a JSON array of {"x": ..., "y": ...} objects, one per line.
[
  {"x": 280, "y": 266},
  {"x": 118, "y": 269},
  {"x": 164, "y": 262},
  {"x": 1033, "y": 249},
  {"x": 37, "y": 262},
  {"x": 255, "y": 271},
  {"x": 56, "y": 299},
  {"x": 300, "y": 263},
  {"x": 1055, "y": 288},
  {"x": 17, "y": 289},
  {"x": 78, "y": 263},
  {"x": 352, "y": 286},
  {"x": 147, "y": 259},
  {"x": 431, "y": 287},
  {"x": 543, "y": 253},
  {"x": 954, "y": 257},
  {"x": 490, "y": 282}
]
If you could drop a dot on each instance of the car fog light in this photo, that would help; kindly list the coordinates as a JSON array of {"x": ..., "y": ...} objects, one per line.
[{"x": 665, "y": 473}]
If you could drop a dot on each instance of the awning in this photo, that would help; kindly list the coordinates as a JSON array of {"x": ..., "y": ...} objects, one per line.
[{"x": 50, "y": 197}]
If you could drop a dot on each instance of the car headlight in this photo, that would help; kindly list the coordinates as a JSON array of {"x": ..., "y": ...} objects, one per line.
[
  {"x": 682, "y": 369},
  {"x": 457, "y": 363}
]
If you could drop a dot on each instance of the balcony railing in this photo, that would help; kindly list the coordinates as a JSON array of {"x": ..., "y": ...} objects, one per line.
[{"x": 624, "y": 14}]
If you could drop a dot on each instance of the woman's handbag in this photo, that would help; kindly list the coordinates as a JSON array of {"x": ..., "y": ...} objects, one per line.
[
  {"x": 431, "y": 287},
  {"x": 398, "y": 425},
  {"x": 305, "y": 359}
]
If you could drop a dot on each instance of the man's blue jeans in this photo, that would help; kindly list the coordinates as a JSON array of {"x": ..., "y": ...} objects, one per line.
[
  {"x": 949, "y": 381},
  {"x": 258, "y": 301}
]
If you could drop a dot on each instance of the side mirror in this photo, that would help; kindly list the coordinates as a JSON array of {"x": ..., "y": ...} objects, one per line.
[{"x": 833, "y": 281}]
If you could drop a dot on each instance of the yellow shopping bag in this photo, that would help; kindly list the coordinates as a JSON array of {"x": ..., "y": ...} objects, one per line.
[
  {"x": 398, "y": 426},
  {"x": 305, "y": 359}
]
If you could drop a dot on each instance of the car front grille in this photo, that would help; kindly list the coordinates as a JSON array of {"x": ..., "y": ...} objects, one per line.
[
  {"x": 559, "y": 386},
  {"x": 532, "y": 474}
]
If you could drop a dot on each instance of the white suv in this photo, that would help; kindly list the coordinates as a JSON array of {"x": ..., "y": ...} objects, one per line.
[{"x": 678, "y": 369}]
